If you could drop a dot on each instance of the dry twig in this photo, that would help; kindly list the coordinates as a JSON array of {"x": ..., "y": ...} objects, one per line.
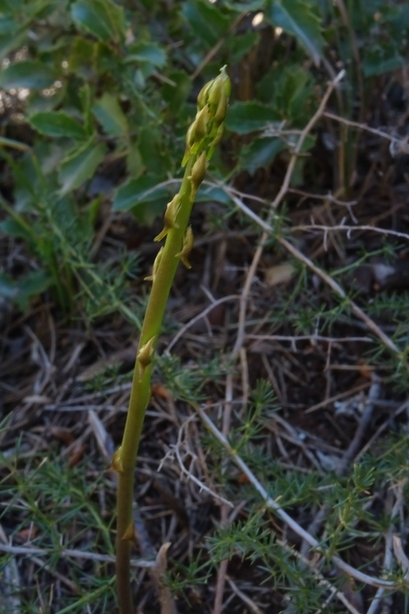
[{"x": 273, "y": 505}]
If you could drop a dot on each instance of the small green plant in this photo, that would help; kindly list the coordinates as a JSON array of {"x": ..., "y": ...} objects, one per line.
[{"x": 202, "y": 137}]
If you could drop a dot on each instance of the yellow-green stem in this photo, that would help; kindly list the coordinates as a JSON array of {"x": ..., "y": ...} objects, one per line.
[
  {"x": 203, "y": 136},
  {"x": 140, "y": 394}
]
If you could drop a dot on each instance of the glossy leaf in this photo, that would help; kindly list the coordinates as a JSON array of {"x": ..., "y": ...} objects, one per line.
[
  {"x": 154, "y": 156},
  {"x": 251, "y": 5},
  {"x": 30, "y": 285},
  {"x": 380, "y": 60},
  {"x": 177, "y": 90},
  {"x": 80, "y": 166},
  {"x": 260, "y": 153},
  {"x": 297, "y": 18},
  {"x": 108, "y": 112},
  {"x": 83, "y": 56},
  {"x": 13, "y": 228},
  {"x": 246, "y": 117},
  {"x": 208, "y": 193},
  {"x": 11, "y": 41},
  {"x": 102, "y": 18},
  {"x": 241, "y": 45},
  {"x": 26, "y": 287},
  {"x": 57, "y": 124},
  {"x": 8, "y": 24},
  {"x": 31, "y": 74},
  {"x": 8, "y": 287},
  {"x": 206, "y": 20},
  {"x": 10, "y": 7},
  {"x": 148, "y": 52},
  {"x": 138, "y": 191}
]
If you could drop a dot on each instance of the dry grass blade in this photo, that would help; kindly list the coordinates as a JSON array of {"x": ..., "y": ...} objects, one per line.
[{"x": 166, "y": 600}]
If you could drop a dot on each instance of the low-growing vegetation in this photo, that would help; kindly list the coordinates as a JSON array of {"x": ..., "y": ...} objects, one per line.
[{"x": 272, "y": 471}]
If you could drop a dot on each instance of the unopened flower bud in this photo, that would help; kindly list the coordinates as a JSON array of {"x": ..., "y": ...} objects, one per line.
[
  {"x": 170, "y": 217},
  {"x": 145, "y": 355},
  {"x": 220, "y": 113},
  {"x": 217, "y": 137},
  {"x": 212, "y": 102},
  {"x": 198, "y": 174},
  {"x": 117, "y": 462},
  {"x": 202, "y": 96},
  {"x": 129, "y": 534},
  {"x": 186, "y": 248},
  {"x": 155, "y": 266},
  {"x": 196, "y": 133},
  {"x": 190, "y": 135},
  {"x": 219, "y": 91},
  {"x": 200, "y": 125}
]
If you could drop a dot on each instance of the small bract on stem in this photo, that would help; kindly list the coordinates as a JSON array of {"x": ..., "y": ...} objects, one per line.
[{"x": 202, "y": 137}]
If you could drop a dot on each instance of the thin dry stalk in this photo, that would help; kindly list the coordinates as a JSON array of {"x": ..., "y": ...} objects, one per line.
[
  {"x": 222, "y": 571},
  {"x": 166, "y": 601},
  {"x": 349, "y": 229},
  {"x": 69, "y": 554},
  {"x": 339, "y": 291},
  {"x": 275, "y": 507},
  {"x": 297, "y": 150},
  {"x": 334, "y": 592},
  {"x": 245, "y": 599},
  {"x": 401, "y": 144}
]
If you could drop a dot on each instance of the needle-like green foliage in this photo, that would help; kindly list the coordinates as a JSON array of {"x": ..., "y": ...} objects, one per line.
[{"x": 202, "y": 137}]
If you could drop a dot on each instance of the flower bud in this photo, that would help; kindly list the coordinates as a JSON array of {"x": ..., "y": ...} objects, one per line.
[
  {"x": 219, "y": 92},
  {"x": 170, "y": 216},
  {"x": 186, "y": 247},
  {"x": 198, "y": 174},
  {"x": 155, "y": 265},
  {"x": 202, "y": 96},
  {"x": 196, "y": 133},
  {"x": 200, "y": 125},
  {"x": 217, "y": 137},
  {"x": 220, "y": 112},
  {"x": 117, "y": 462},
  {"x": 129, "y": 534},
  {"x": 145, "y": 355},
  {"x": 212, "y": 103}
]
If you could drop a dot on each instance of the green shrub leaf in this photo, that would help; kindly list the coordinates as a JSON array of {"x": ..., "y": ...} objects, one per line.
[
  {"x": 8, "y": 287},
  {"x": 380, "y": 60},
  {"x": 148, "y": 52},
  {"x": 205, "y": 20},
  {"x": 108, "y": 112},
  {"x": 139, "y": 191},
  {"x": 26, "y": 287},
  {"x": 102, "y": 18},
  {"x": 252, "y": 5},
  {"x": 208, "y": 193},
  {"x": 57, "y": 124},
  {"x": 31, "y": 74},
  {"x": 245, "y": 117},
  {"x": 13, "y": 228},
  {"x": 261, "y": 152},
  {"x": 297, "y": 18},
  {"x": 80, "y": 166}
]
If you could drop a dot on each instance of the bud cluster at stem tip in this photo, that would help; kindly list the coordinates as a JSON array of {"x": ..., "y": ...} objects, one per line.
[{"x": 207, "y": 128}]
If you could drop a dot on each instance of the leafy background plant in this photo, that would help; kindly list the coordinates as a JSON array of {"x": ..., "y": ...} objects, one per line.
[{"x": 95, "y": 100}]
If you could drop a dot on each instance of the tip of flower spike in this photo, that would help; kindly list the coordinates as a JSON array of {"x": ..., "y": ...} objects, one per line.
[
  {"x": 226, "y": 80},
  {"x": 223, "y": 72},
  {"x": 212, "y": 102},
  {"x": 211, "y": 91}
]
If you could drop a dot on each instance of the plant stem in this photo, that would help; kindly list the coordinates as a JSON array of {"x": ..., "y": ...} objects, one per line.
[
  {"x": 140, "y": 395},
  {"x": 202, "y": 137}
]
